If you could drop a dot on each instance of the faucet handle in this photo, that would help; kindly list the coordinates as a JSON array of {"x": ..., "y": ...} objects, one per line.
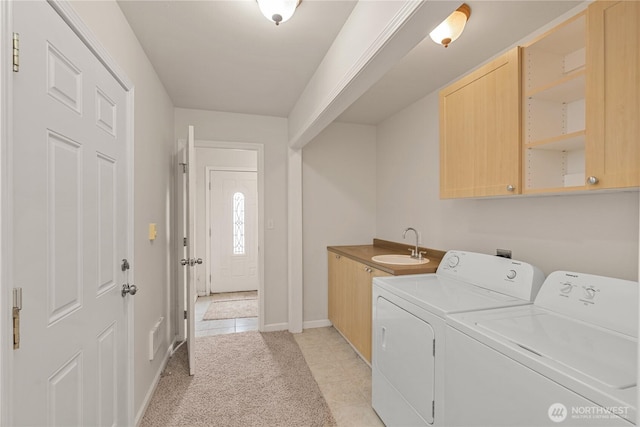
[
  {"x": 420, "y": 254},
  {"x": 413, "y": 252}
]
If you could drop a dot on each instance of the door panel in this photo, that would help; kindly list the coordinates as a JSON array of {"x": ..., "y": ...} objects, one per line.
[
  {"x": 404, "y": 355},
  {"x": 70, "y": 209},
  {"x": 234, "y": 239}
]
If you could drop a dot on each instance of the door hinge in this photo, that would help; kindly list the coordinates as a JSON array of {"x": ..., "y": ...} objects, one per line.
[
  {"x": 17, "y": 306},
  {"x": 433, "y": 409},
  {"x": 16, "y": 52},
  {"x": 185, "y": 167},
  {"x": 184, "y": 241},
  {"x": 185, "y": 315}
]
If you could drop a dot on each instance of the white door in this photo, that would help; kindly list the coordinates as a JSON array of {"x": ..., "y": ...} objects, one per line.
[
  {"x": 234, "y": 231},
  {"x": 70, "y": 213},
  {"x": 191, "y": 261}
]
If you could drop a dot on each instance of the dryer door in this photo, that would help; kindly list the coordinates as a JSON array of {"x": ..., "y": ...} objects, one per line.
[{"x": 404, "y": 361}]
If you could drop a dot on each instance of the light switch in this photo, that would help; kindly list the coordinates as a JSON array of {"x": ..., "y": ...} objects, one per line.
[{"x": 153, "y": 231}]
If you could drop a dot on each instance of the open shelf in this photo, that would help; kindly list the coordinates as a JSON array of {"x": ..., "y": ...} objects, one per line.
[
  {"x": 553, "y": 106},
  {"x": 567, "y": 142},
  {"x": 564, "y": 90}
]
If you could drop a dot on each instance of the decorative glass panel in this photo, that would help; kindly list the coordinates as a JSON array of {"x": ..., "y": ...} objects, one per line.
[{"x": 238, "y": 224}]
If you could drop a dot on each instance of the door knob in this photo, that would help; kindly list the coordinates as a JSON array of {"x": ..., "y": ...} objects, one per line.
[
  {"x": 592, "y": 180},
  {"x": 199, "y": 261},
  {"x": 184, "y": 261},
  {"x": 129, "y": 289}
]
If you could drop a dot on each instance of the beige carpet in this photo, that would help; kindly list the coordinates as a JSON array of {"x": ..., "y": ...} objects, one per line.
[
  {"x": 232, "y": 305},
  {"x": 243, "y": 379}
]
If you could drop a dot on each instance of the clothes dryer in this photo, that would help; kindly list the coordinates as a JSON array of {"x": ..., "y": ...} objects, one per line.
[{"x": 409, "y": 313}]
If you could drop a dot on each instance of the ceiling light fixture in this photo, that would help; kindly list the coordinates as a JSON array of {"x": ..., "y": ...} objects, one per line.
[
  {"x": 278, "y": 10},
  {"x": 451, "y": 28}
]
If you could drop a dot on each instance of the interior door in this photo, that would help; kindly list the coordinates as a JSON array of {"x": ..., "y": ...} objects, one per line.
[
  {"x": 69, "y": 187},
  {"x": 234, "y": 231},
  {"x": 191, "y": 260}
]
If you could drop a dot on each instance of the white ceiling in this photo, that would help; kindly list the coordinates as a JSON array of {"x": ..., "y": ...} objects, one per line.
[{"x": 223, "y": 55}]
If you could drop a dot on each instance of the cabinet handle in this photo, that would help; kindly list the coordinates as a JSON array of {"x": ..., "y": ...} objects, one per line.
[
  {"x": 337, "y": 256},
  {"x": 510, "y": 187},
  {"x": 592, "y": 180}
]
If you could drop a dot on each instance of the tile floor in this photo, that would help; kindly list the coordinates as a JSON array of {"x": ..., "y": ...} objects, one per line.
[
  {"x": 216, "y": 327},
  {"x": 343, "y": 377}
]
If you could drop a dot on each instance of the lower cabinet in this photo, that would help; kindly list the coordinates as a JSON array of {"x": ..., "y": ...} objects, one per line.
[{"x": 350, "y": 294}]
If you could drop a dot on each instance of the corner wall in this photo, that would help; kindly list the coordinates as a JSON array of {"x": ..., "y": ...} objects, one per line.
[
  {"x": 272, "y": 133},
  {"x": 153, "y": 177},
  {"x": 590, "y": 233},
  {"x": 339, "y": 202}
]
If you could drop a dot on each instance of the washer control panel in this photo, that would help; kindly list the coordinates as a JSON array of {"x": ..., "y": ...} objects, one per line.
[
  {"x": 511, "y": 277},
  {"x": 603, "y": 301}
]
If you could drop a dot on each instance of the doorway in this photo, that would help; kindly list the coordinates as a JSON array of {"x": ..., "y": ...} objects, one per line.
[{"x": 229, "y": 183}]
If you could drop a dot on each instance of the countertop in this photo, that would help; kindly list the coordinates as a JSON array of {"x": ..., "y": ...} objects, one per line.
[{"x": 364, "y": 253}]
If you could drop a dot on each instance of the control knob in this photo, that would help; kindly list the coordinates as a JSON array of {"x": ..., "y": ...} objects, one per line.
[
  {"x": 589, "y": 293},
  {"x": 511, "y": 274},
  {"x": 566, "y": 288},
  {"x": 453, "y": 261}
]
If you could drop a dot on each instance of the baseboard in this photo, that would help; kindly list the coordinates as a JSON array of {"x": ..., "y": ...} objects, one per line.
[
  {"x": 316, "y": 324},
  {"x": 273, "y": 327},
  {"x": 154, "y": 385}
]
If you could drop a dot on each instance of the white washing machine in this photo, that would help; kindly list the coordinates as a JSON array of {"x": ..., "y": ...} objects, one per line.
[
  {"x": 409, "y": 328},
  {"x": 570, "y": 359}
]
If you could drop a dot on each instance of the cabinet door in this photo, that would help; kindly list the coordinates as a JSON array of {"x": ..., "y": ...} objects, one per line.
[
  {"x": 340, "y": 293},
  {"x": 480, "y": 131},
  {"x": 363, "y": 295},
  {"x": 613, "y": 88}
]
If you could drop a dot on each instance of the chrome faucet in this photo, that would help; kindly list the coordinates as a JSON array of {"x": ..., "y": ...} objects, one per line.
[{"x": 415, "y": 253}]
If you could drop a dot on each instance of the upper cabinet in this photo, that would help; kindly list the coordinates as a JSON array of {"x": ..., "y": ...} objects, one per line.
[
  {"x": 577, "y": 108},
  {"x": 581, "y": 102},
  {"x": 480, "y": 131},
  {"x": 613, "y": 95},
  {"x": 553, "y": 89}
]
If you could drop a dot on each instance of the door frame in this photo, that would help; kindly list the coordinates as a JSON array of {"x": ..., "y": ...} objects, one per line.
[
  {"x": 73, "y": 20},
  {"x": 207, "y": 210}
]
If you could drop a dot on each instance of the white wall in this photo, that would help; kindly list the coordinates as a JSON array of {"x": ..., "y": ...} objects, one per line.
[
  {"x": 272, "y": 132},
  {"x": 339, "y": 202},
  {"x": 373, "y": 39},
  {"x": 592, "y": 233},
  {"x": 153, "y": 150},
  {"x": 213, "y": 158}
]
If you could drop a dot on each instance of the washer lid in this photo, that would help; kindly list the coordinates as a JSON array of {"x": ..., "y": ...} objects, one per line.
[
  {"x": 442, "y": 295},
  {"x": 607, "y": 357}
]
